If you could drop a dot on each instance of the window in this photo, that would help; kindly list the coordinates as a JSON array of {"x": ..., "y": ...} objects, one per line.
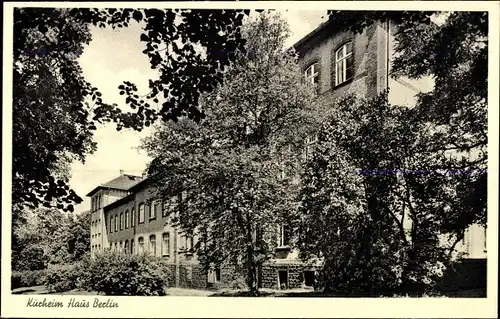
[
  {"x": 310, "y": 142},
  {"x": 132, "y": 246},
  {"x": 152, "y": 210},
  {"x": 121, "y": 246},
  {"x": 152, "y": 244},
  {"x": 141, "y": 245},
  {"x": 121, "y": 221},
  {"x": 116, "y": 246},
  {"x": 189, "y": 243},
  {"x": 186, "y": 243},
  {"x": 116, "y": 223},
  {"x": 111, "y": 224},
  {"x": 311, "y": 74},
  {"x": 126, "y": 248},
  {"x": 158, "y": 208},
  {"x": 343, "y": 63},
  {"x": 284, "y": 235},
  {"x": 141, "y": 213},
  {"x": 165, "y": 244},
  {"x": 126, "y": 219},
  {"x": 132, "y": 217}
]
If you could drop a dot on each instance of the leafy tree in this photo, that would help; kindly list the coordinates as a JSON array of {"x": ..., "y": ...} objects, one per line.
[
  {"x": 400, "y": 185},
  {"x": 48, "y": 236},
  {"x": 56, "y": 109},
  {"x": 78, "y": 237},
  {"x": 228, "y": 169},
  {"x": 455, "y": 54}
]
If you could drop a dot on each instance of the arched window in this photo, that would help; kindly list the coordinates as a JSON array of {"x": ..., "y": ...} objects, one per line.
[
  {"x": 126, "y": 248},
  {"x": 110, "y": 224},
  {"x": 126, "y": 219},
  {"x": 140, "y": 241},
  {"x": 132, "y": 247},
  {"x": 116, "y": 222},
  {"x": 121, "y": 220},
  {"x": 165, "y": 244},
  {"x": 132, "y": 217},
  {"x": 311, "y": 74},
  {"x": 141, "y": 213},
  {"x": 152, "y": 244},
  {"x": 344, "y": 69}
]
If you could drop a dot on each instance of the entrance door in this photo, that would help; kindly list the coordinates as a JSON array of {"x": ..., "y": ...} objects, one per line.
[
  {"x": 283, "y": 279},
  {"x": 309, "y": 278}
]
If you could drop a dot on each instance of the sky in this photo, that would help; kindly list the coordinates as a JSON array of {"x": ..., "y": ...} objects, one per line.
[{"x": 114, "y": 56}]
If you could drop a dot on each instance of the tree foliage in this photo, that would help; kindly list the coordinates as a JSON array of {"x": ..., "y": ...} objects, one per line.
[
  {"x": 228, "y": 168},
  {"x": 48, "y": 236},
  {"x": 400, "y": 185},
  {"x": 56, "y": 110}
]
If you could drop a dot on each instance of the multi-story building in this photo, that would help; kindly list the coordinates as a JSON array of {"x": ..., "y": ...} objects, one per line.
[{"x": 125, "y": 215}]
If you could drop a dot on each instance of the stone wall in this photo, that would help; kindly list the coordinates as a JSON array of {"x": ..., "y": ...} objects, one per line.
[{"x": 295, "y": 274}]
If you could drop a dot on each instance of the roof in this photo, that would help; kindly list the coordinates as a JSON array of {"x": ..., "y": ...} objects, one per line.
[
  {"x": 122, "y": 182},
  {"x": 133, "y": 189},
  {"x": 311, "y": 34},
  {"x": 118, "y": 202}
]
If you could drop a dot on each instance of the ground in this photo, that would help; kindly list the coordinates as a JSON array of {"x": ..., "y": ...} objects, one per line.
[{"x": 41, "y": 290}]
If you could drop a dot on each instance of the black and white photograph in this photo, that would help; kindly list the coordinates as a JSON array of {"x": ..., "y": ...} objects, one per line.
[{"x": 245, "y": 149}]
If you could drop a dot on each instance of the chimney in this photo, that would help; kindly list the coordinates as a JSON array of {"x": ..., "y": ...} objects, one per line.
[{"x": 121, "y": 172}]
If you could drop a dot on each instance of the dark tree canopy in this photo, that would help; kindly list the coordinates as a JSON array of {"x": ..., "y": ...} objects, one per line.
[{"x": 55, "y": 109}]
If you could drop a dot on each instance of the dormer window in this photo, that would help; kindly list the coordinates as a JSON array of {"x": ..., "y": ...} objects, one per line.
[
  {"x": 311, "y": 74},
  {"x": 343, "y": 63}
]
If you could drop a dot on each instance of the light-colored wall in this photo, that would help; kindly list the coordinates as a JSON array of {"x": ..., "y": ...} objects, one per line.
[
  {"x": 402, "y": 90},
  {"x": 474, "y": 243}
]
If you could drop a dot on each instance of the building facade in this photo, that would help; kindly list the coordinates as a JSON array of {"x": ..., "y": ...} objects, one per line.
[{"x": 126, "y": 217}]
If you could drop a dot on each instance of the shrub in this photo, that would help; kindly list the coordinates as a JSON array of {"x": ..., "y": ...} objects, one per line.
[
  {"x": 27, "y": 278},
  {"x": 115, "y": 273},
  {"x": 238, "y": 283},
  {"x": 61, "y": 278}
]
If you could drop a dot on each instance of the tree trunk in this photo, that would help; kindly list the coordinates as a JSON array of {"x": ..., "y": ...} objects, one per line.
[{"x": 251, "y": 273}]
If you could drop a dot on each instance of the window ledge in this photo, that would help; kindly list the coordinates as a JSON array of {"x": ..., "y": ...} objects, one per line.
[
  {"x": 286, "y": 247},
  {"x": 334, "y": 87},
  {"x": 152, "y": 218},
  {"x": 185, "y": 251}
]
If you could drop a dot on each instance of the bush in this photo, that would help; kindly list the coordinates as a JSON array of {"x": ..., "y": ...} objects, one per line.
[
  {"x": 60, "y": 278},
  {"x": 239, "y": 283},
  {"x": 27, "y": 278},
  {"x": 115, "y": 273}
]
